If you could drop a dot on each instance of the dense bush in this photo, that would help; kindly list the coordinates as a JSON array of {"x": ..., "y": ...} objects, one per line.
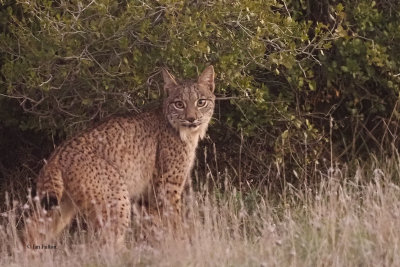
[{"x": 296, "y": 80}]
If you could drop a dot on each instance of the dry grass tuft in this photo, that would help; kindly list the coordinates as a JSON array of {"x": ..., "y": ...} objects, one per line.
[{"x": 347, "y": 220}]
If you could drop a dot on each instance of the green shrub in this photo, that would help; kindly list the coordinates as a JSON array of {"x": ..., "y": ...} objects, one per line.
[{"x": 291, "y": 76}]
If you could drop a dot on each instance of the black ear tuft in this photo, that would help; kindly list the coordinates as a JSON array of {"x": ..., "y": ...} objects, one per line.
[{"x": 48, "y": 202}]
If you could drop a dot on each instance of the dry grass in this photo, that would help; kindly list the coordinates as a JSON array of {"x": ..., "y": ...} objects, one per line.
[{"x": 348, "y": 220}]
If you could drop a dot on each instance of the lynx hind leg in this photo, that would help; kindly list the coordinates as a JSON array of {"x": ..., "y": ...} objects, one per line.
[
  {"x": 110, "y": 219},
  {"x": 103, "y": 200},
  {"x": 43, "y": 226}
]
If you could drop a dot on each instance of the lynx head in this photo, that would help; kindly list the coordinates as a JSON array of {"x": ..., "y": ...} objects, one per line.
[{"x": 189, "y": 105}]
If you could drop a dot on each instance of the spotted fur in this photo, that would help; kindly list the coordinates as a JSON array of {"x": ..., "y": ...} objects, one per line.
[{"x": 145, "y": 158}]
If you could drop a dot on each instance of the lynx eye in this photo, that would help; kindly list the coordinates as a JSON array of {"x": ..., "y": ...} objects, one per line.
[
  {"x": 179, "y": 104},
  {"x": 201, "y": 103}
]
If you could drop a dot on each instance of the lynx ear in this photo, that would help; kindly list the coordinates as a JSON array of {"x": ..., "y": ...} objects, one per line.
[
  {"x": 169, "y": 81},
  {"x": 207, "y": 78}
]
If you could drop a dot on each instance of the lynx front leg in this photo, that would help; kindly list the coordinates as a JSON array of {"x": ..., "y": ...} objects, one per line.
[
  {"x": 168, "y": 204},
  {"x": 168, "y": 185},
  {"x": 171, "y": 198}
]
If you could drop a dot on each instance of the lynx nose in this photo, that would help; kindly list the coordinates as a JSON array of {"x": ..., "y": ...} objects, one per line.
[{"x": 190, "y": 119}]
